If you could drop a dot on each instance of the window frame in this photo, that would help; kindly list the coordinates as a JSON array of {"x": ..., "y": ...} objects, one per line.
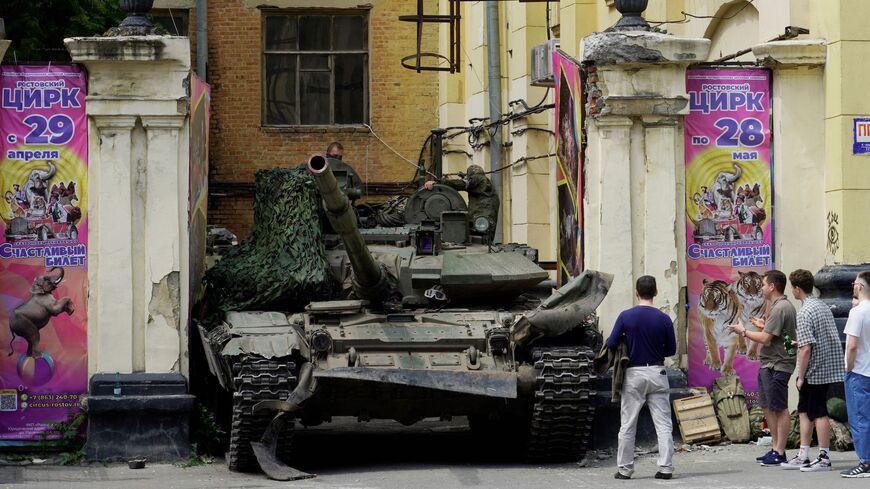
[
  {"x": 298, "y": 53},
  {"x": 183, "y": 15}
]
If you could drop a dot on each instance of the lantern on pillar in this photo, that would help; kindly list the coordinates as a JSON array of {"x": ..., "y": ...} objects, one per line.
[
  {"x": 631, "y": 11},
  {"x": 136, "y": 23},
  {"x": 136, "y": 10}
]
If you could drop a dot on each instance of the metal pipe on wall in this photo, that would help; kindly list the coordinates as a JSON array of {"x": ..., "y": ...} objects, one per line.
[
  {"x": 201, "y": 37},
  {"x": 493, "y": 70}
]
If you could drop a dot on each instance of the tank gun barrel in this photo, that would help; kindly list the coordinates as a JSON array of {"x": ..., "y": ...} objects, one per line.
[{"x": 369, "y": 278}]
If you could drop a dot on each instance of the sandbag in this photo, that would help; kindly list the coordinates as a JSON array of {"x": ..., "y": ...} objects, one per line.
[
  {"x": 729, "y": 398},
  {"x": 794, "y": 434},
  {"x": 837, "y": 410},
  {"x": 756, "y": 421},
  {"x": 841, "y": 436}
]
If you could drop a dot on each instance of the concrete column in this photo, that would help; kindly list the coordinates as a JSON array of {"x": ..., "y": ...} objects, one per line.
[
  {"x": 798, "y": 153},
  {"x": 527, "y": 183},
  {"x": 4, "y": 45},
  {"x": 166, "y": 226},
  {"x": 110, "y": 251},
  {"x": 139, "y": 144},
  {"x": 607, "y": 210},
  {"x": 847, "y": 175},
  {"x": 634, "y": 203},
  {"x": 663, "y": 151}
]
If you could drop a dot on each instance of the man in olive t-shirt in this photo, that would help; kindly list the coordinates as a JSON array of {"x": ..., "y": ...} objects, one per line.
[{"x": 776, "y": 363}]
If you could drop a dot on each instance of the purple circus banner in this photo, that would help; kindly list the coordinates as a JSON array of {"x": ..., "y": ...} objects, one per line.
[
  {"x": 729, "y": 218},
  {"x": 200, "y": 115},
  {"x": 43, "y": 249},
  {"x": 569, "y": 158}
]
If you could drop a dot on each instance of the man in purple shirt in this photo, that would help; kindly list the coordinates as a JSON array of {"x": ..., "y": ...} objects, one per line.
[{"x": 649, "y": 335}]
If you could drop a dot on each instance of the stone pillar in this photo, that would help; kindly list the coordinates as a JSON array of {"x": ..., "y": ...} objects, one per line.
[
  {"x": 635, "y": 197},
  {"x": 847, "y": 175},
  {"x": 138, "y": 170},
  {"x": 798, "y": 153}
]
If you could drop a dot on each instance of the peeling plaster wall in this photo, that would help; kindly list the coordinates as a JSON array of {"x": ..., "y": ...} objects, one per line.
[{"x": 162, "y": 328}]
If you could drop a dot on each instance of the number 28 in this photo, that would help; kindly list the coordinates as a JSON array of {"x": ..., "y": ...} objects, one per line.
[{"x": 749, "y": 132}]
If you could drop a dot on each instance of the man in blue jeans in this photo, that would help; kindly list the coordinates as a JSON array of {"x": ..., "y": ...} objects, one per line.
[
  {"x": 858, "y": 375},
  {"x": 649, "y": 335}
]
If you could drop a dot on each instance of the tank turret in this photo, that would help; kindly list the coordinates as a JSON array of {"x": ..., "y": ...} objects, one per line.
[{"x": 370, "y": 281}]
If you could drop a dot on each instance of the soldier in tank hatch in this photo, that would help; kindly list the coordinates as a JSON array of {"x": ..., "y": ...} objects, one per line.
[{"x": 483, "y": 201}]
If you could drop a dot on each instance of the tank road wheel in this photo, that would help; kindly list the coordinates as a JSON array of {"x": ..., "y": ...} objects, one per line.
[
  {"x": 257, "y": 379},
  {"x": 563, "y": 409}
]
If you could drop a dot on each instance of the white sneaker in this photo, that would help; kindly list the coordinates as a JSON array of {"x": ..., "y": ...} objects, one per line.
[
  {"x": 795, "y": 463},
  {"x": 821, "y": 464}
]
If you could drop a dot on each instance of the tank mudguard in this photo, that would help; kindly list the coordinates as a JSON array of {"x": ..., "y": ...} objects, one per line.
[{"x": 481, "y": 383}]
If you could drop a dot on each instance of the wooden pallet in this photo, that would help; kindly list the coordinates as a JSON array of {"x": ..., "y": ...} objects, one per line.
[{"x": 697, "y": 419}]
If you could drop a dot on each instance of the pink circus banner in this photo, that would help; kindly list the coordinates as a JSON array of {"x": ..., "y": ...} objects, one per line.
[
  {"x": 43, "y": 248},
  {"x": 729, "y": 218},
  {"x": 569, "y": 171}
]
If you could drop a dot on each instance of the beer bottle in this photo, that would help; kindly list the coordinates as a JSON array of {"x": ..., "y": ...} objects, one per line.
[{"x": 790, "y": 348}]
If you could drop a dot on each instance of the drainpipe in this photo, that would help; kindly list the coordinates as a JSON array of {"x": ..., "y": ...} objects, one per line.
[
  {"x": 493, "y": 70},
  {"x": 201, "y": 37}
]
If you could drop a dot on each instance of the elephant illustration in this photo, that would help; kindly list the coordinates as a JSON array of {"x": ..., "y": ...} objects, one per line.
[
  {"x": 37, "y": 183},
  {"x": 27, "y": 319},
  {"x": 723, "y": 187}
]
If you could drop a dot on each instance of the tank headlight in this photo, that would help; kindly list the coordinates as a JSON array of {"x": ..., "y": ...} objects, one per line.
[
  {"x": 481, "y": 224},
  {"x": 321, "y": 341}
]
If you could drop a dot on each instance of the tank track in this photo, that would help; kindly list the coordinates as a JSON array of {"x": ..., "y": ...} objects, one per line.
[
  {"x": 257, "y": 379},
  {"x": 563, "y": 408}
]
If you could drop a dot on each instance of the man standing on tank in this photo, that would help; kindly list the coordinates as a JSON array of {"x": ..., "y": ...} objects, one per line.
[
  {"x": 649, "y": 335},
  {"x": 483, "y": 201}
]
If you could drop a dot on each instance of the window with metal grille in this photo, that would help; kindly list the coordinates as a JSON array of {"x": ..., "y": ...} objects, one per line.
[{"x": 315, "y": 69}]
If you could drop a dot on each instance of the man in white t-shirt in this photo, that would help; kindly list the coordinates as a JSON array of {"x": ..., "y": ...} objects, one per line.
[{"x": 857, "y": 379}]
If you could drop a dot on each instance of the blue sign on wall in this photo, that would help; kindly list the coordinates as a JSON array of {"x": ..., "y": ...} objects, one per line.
[{"x": 861, "y": 136}]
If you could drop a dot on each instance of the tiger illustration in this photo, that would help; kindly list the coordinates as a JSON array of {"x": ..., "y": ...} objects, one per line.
[
  {"x": 748, "y": 290},
  {"x": 720, "y": 306}
]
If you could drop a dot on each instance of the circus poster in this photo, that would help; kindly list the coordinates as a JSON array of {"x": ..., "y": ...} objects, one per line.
[
  {"x": 729, "y": 218},
  {"x": 569, "y": 168},
  {"x": 43, "y": 249},
  {"x": 200, "y": 115}
]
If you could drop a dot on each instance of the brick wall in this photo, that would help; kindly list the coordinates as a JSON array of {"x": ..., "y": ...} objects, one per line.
[{"x": 403, "y": 108}]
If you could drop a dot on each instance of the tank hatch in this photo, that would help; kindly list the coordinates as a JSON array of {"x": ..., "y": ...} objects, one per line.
[{"x": 489, "y": 274}]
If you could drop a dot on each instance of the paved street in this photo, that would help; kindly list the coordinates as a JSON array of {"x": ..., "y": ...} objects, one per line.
[{"x": 387, "y": 456}]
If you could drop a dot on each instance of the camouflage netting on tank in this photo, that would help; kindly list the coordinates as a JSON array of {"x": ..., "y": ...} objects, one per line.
[{"x": 282, "y": 264}]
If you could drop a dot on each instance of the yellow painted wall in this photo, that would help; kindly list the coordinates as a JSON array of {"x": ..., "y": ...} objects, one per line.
[{"x": 529, "y": 188}]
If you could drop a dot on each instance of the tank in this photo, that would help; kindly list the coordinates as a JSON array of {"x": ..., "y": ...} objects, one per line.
[{"x": 429, "y": 321}]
